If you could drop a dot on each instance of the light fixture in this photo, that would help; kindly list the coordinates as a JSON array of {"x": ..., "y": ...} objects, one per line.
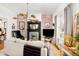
[
  {"x": 31, "y": 17},
  {"x": 25, "y": 15},
  {"x": 22, "y": 15}
]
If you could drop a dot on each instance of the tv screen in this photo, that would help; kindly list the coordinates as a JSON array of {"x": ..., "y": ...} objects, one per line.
[
  {"x": 16, "y": 34},
  {"x": 48, "y": 32}
]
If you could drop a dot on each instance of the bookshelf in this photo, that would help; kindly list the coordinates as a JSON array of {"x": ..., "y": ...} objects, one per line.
[{"x": 33, "y": 30}]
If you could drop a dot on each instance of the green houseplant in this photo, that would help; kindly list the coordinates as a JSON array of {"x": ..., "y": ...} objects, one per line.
[{"x": 77, "y": 42}]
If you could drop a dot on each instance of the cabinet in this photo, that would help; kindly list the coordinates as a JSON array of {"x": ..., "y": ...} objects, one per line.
[{"x": 33, "y": 30}]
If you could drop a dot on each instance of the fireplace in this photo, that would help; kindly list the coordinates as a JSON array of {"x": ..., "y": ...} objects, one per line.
[{"x": 33, "y": 35}]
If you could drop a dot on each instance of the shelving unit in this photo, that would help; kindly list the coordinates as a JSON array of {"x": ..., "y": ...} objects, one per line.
[{"x": 33, "y": 30}]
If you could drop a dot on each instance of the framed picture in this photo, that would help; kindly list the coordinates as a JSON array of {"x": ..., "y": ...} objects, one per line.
[
  {"x": 21, "y": 25},
  {"x": 34, "y": 26},
  {"x": 47, "y": 25},
  {"x": 13, "y": 26}
]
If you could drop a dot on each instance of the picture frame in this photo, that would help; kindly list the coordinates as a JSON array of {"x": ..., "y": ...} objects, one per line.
[
  {"x": 13, "y": 26},
  {"x": 47, "y": 25},
  {"x": 34, "y": 26},
  {"x": 21, "y": 25}
]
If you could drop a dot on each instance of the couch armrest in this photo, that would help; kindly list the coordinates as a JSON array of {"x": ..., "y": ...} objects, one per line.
[{"x": 43, "y": 51}]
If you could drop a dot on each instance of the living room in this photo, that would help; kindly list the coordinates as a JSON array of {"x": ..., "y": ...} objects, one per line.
[
  {"x": 39, "y": 29},
  {"x": 24, "y": 24}
]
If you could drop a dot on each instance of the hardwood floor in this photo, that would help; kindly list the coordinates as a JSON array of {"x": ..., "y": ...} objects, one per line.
[
  {"x": 57, "y": 51},
  {"x": 1, "y": 44}
]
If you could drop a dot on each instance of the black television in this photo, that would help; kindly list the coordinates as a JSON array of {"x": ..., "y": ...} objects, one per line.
[
  {"x": 48, "y": 32},
  {"x": 17, "y": 34}
]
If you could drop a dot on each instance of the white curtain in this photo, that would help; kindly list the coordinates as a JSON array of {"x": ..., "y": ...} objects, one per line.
[{"x": 68, "y": 15}]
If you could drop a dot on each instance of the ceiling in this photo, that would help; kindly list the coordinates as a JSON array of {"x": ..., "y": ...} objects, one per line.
[{"x": 44, "y": 8}]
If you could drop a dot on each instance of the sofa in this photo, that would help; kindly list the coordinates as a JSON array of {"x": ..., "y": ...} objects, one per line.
[{"x": 15, "y": 47}]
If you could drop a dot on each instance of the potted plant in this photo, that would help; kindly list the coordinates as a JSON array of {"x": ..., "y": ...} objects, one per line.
[
  {"x": 68, "y": 41},
  {"x": 77, "y": 42}
]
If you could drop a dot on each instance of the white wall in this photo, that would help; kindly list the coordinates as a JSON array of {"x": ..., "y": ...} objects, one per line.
[
  {"x": 7, "y": 15},
  {"x": 75, "y": 8},
  {"x": 59, "y": 10}
]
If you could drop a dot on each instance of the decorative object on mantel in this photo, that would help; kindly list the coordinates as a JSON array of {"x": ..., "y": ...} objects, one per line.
[{"x": 33, "y": 18}]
